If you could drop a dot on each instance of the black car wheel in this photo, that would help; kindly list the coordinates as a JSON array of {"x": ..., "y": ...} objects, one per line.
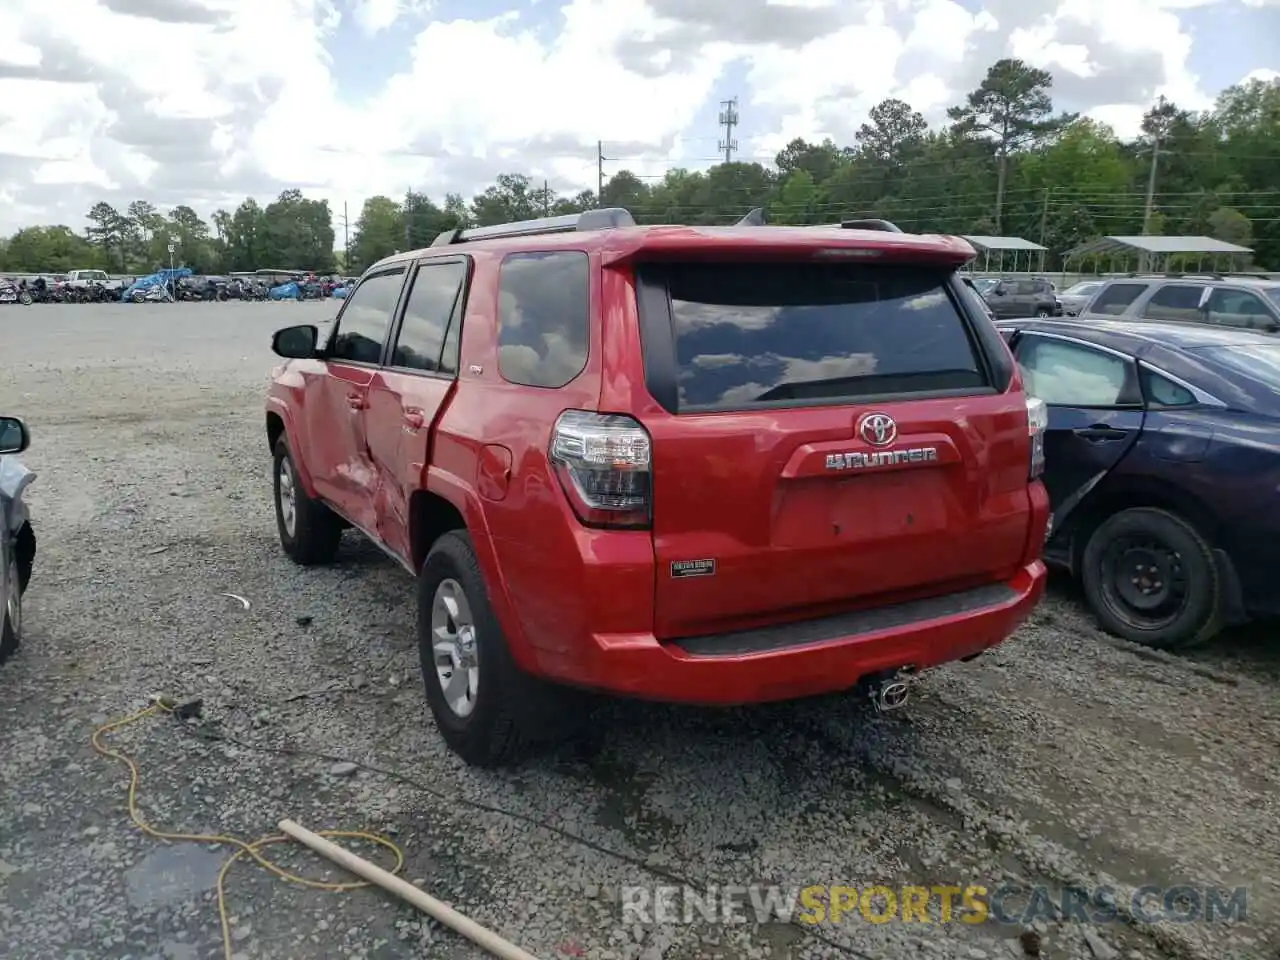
[
  {"x": 11, "y": 608},
  {"x": 310, "y": 532},
  {"x": 1043, "y": 312},
  {"x": 488, "y": 711},
  {"x": 1151, "y": 578}
]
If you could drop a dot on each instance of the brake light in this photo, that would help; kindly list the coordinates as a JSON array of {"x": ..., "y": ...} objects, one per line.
[
  {"x": 1037, "y": 424},
  {"x": 603, "y": 462}
]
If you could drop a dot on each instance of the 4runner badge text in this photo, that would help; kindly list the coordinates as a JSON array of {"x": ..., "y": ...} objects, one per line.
[{"x": 881, "y": 458}]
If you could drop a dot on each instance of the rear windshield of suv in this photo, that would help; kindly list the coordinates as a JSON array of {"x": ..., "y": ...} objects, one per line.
[
  {"x": 772, "y": 333},
  {"x": 1258, "y": 362}
]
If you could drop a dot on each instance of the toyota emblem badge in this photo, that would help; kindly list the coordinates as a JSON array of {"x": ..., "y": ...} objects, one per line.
[{"x": 878, "y": 429}]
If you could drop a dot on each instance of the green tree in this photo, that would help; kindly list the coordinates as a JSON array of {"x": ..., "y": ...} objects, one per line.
[
  {"x": 1012, "y": 108},
  {"x": 107, "y": 232},
  {"x": 895, "y": 131},
  {"x": 379, "y": 232},
  {"x": 510, "y": 198}
]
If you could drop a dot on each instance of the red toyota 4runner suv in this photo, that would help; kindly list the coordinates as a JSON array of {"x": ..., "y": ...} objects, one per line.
[{"x": 710, "y": 465}]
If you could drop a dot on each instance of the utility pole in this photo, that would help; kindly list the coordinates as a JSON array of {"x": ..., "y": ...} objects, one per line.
[
  {"x": 600, "y": 158},
  {"x": 546, "y": 199},
  {"x": 1044, "y": 215},
  {"x": 1151, "y": 195},
  {"x": 408, "y": 215},
  {"x": 1151, "y": 186},
  {"x": 728, "y": 120}
]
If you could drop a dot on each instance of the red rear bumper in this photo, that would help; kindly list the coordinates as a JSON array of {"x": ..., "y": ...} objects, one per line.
[{"x": 641, "y": 666}]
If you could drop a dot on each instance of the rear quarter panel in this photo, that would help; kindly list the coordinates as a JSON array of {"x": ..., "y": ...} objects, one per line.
[{"x": 542, "y": 566}]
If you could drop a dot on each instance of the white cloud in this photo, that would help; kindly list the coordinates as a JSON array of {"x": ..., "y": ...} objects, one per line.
[{"x": 114, "y": 99}]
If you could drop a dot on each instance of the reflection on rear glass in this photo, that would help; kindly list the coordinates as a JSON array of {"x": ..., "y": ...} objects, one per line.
[
  {"x": 1259, "y": 362},
  {"x": 759, "y": 333}
]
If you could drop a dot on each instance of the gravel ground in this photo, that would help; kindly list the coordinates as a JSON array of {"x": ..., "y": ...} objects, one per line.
[{"x": 1061, "y": 757}]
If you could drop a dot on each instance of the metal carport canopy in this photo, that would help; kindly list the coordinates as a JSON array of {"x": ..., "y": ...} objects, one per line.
[
  {"x": 1116, "y": 246},
  {"x": 1000, "y": 244},
  {"x": 986, "y": 246}
]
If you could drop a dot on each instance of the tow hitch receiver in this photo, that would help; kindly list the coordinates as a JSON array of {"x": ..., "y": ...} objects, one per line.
[{"x": 893, "y": 692}]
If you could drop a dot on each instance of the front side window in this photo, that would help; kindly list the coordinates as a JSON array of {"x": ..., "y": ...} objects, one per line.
[
  {"x": 1239, "y": 308},
  {"x": 366, "y": 318},
  {"x": 544, "y": 317},
  {"x": 1071, "y": 375},
  {"x": 749, "y": 333}
]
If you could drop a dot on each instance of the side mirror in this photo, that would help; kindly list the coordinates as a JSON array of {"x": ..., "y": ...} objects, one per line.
[
  {"x": 296, "y": 343},
  {"x": 14, "y": 435},
  {"x": 998, "y": 291}
]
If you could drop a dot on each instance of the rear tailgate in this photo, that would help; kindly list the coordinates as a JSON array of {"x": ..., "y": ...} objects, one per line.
[{"x": 836, "y": 441}]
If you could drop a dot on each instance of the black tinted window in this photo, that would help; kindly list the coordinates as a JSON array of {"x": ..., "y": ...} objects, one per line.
[
  {"x": 366, "y": 318},
  {"x": 751, "y": 333},
  {"x": 1115, "y": 299},
  {"x": 427, "y": 314},
  {"x": 544, "y": 303}
]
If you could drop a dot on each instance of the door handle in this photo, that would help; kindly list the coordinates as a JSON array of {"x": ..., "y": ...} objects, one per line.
[
  {"x": 355, "y": 402},
  {"x": 414, "y": 419},
  {"x": 1100, "y": 433}
]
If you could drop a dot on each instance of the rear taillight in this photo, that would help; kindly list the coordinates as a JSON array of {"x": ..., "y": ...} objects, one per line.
[
  {"x": 603, "y": 462},
  {"x": 1037, "y": 424}
]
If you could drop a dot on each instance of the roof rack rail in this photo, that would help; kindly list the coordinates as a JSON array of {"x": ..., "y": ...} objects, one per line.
[
  {"x": 1204, "y": 275},
  {"x": 871, "y": 224},
  {"x": 606, "y": 218}
]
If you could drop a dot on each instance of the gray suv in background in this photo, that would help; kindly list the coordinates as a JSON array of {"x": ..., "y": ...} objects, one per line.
[
  {"x": 1016, "y": 299},
  {"x": 1248, "y": 302}
]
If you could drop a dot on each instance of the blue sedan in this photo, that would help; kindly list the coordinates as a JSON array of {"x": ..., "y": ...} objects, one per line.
[{"x": 1163, "y": 470}]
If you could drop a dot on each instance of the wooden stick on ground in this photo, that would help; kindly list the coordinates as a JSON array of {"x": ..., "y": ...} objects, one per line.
[{"x": 481, "y": 936}]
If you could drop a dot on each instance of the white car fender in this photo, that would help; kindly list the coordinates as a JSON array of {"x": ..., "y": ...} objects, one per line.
[{"x": 14, "y": 479}]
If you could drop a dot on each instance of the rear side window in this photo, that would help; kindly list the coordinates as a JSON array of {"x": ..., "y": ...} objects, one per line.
[
  {"x": 1177, "y": 301},
  {"x": 427, "y": 314},
  {"x": 1116, "y": 298},
  {"x": 544, "y": 309},
  {"x": 1074, "y": 375},
  {"x": 762, "y": 333}
]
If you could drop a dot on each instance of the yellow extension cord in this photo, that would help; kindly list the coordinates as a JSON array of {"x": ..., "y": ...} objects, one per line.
[{"x": 243, "y": 847}]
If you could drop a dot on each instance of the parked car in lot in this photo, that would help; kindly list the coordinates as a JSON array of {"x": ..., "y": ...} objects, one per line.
[
  {"x": 17, "y": 539},
  {"x": 1027, "y": 297},
  {"x": 708, "y": 465},
  {"x": 1077, "y": 296},
  {"x": 1227, "y": 301},
  {"x": 1162, "y": 464}
]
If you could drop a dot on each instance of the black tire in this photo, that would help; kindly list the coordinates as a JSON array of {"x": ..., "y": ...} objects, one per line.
[
  {"x": 316, "y": 531},
  {"x": 10, "y": 633},
  {"x": 511, "y": 714},
  {"x": 1043, "y": 312},
  {"x": 1166, "y": 553},
  {"x": 26, "y": 550}
]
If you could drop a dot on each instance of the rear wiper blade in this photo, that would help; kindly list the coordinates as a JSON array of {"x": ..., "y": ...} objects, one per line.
[{"x": 795, "y": 387}]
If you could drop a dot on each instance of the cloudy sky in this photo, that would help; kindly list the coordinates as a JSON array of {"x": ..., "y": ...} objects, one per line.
[{"x": 207, "y": 101}]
